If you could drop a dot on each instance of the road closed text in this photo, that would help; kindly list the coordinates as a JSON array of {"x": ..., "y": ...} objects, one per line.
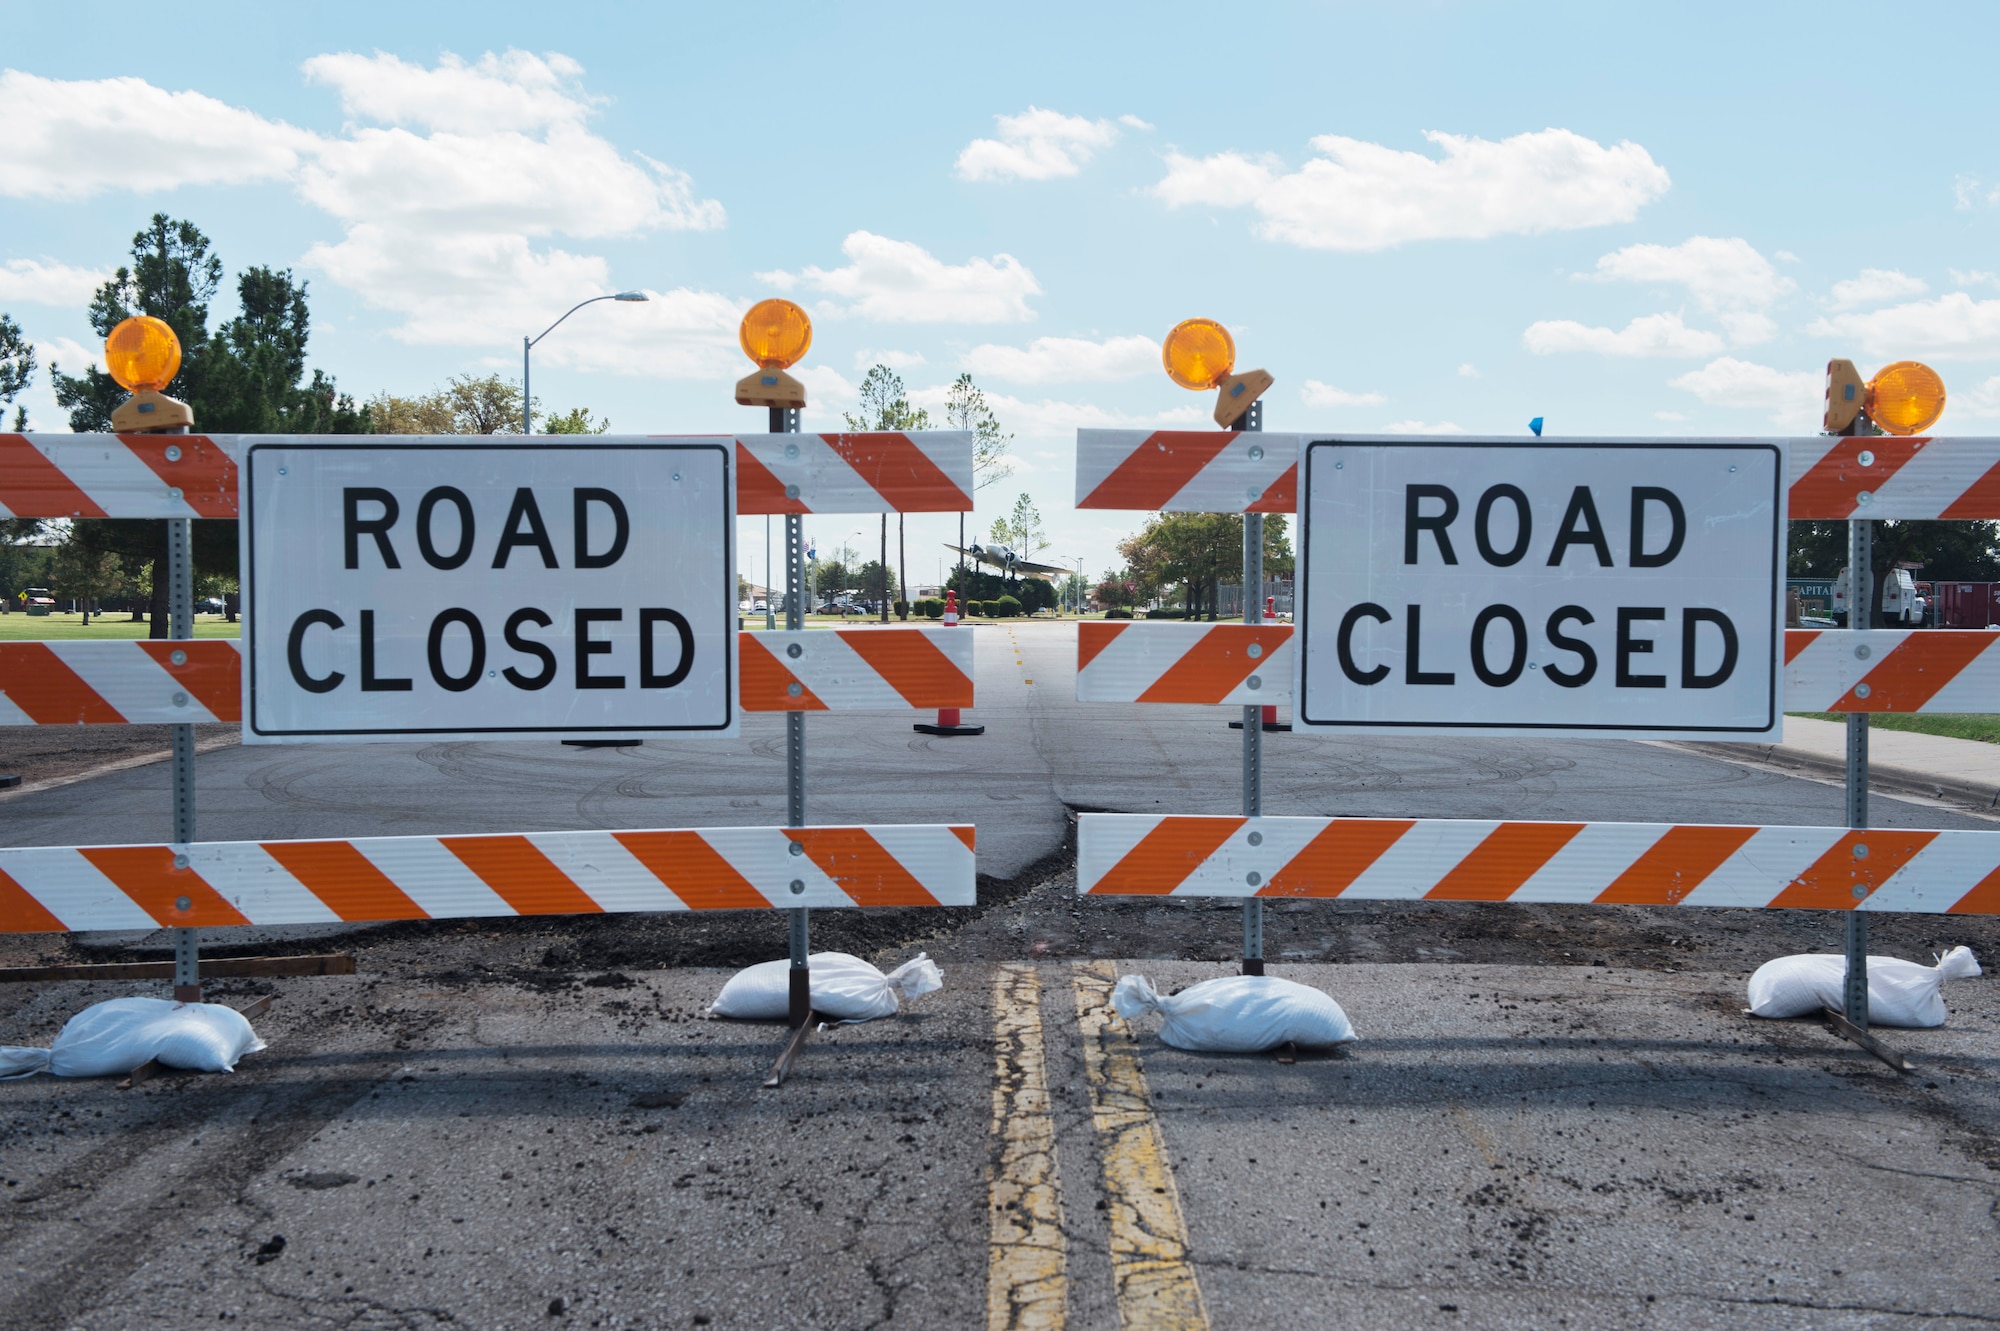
[
  {"x": 482, "y": 590},
  {"x": 1500, "y": 587}
]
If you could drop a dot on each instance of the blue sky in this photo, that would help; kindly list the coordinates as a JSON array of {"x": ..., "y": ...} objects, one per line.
[{"x": 1418, "y": 217}]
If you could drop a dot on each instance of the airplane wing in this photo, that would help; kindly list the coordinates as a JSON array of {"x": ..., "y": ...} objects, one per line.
[{"x": 1046, "y": 570}]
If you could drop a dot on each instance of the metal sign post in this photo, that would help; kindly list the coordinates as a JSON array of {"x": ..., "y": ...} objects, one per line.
[
  {"x": 1860, "y": 615},
  {"x": 180, "y": 601},
  {"x": 785, "y": 420},
  {"x": 1252, "y": 420}
]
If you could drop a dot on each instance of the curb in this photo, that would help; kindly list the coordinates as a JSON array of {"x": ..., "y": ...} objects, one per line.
[{"x": 1886, "y": 777}]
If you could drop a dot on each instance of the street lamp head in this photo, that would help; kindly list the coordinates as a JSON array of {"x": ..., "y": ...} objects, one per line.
[{"x": 631, "y": 295}]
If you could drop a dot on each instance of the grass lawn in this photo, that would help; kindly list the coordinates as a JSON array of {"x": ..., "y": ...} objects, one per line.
[
  {"x": 37, "y": 628},
  {"x": 1952, "y": 725}
]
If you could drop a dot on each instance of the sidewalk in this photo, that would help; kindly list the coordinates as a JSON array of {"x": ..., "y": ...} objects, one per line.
[{"x": 1898, "y": 762}]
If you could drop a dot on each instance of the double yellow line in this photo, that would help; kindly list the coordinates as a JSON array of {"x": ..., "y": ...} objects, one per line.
[{"x": 1027, "y": 1282}]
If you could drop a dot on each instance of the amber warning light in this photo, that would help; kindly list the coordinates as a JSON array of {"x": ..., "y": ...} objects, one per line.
[
  {"x": 1905, "y": 397},
  {"x": 143, "y": 355},
  {"x": 1198, "y": 354},
  {"x": 776, "y": 334}
]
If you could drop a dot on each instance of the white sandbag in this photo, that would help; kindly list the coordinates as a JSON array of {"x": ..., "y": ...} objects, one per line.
[
  {"x": 21, "y": 1061},
  {"x": 1237, "y": 1014},
  {"x": 117, "y": 1036},
  {"x": 1900, "y": 993},
  {"x": 844, "y": 988}
]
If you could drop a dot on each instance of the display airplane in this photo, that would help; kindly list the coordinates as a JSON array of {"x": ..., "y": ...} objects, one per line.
[{"x": 1004, "y": 558}]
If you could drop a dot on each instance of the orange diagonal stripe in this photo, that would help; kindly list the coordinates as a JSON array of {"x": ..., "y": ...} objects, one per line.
[
  {"x": 36, "y": 681},
  {"x": 1675, "y": 865},
  {"x": 765, "y": 684},
  {"x": 1158, "y": 469},
  {"x": 524, "y": 878},
  {"x": 900, "y": 472},
  {"x": 693, "y": 870},
  {"x": 20, "y": 913},
  {"x": 1282, "y": 497},
  {"x": 1507, "y": 858},
  {"x": 148, "y": 876},
  {"x": 1165, "y": 856},
  {"x": 1829, "y": 487},
  {"x": 1980, "y": 500},
  {"x": 913, "y": 665},
  {"x": 204, "y": 474},
  {"x": 1331, "y": 861},
  {"x": 31, "y": 486},
  {"x": 213, "y": 673},
  {"x": 1796, "y": 641},
  {"x": 860, "y": 866},
  {"x": 1829, "y": 883},
  {"x": 757, "y": 490},
  {"x": 1092, "y": 637},
  {"x": 1983, "y": 899},
  {"x": 1911, "y": 674},
  {"x": 1219, "y": 660},
  {"x": 345, "y": 879}
]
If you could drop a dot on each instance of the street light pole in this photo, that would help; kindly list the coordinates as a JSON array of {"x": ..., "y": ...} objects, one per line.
[{"x": 528, "y": 344}]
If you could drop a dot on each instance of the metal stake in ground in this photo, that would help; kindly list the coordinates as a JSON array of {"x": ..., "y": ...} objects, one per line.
[
  {"x": 1860, "y": 615},
  {"x": 1253, "y": 729}
]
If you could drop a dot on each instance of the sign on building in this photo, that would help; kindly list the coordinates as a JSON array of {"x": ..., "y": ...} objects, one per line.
[
  {"x": 1499, "y": 587},
  {"x": 489, "y": 590}
]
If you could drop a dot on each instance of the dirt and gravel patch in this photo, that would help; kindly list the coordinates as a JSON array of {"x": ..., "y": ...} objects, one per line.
[{"x": 41, "y": 754}]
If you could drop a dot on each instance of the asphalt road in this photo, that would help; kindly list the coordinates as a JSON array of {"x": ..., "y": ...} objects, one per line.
[{"x": 1556, "y": 1118}]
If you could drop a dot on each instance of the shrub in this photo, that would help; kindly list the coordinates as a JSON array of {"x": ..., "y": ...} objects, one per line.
[
  {"x": 1166, "y": 612},
  {"x": 931, "y": 607},
  {"x": 974, "y": 608},
  {"x": 1118, "y": 612},
  {"x": 1006, "y": 607},
  {"x": 902, "y": 609}
]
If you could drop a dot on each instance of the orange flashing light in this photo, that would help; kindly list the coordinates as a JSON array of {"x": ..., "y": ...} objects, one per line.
[
  {"x": 1905, "y": 398},
  {"x": 1198, "y": 354},
  {"x": 776, "y": 334},
  {"x": 143, "y": 354}
]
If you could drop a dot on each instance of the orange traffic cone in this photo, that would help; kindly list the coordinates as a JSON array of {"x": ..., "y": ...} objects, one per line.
[{"x": 948, "y": 722}]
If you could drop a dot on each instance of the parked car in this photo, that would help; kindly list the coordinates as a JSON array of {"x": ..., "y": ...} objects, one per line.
[{"x": 1901, "y": 606}]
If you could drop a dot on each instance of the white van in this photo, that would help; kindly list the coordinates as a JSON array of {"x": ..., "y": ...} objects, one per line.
[{"x": 1901, "y": 606}]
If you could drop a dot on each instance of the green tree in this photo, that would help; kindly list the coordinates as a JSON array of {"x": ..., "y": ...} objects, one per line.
[
  {"x": 1024, "y": 529},
  {"x": 17, "y": 368},
  {"x": 248, "y": 376},
  {"x": 1942, "y": 551},
  {"x": 965, "y": 408},
  {"x": 467, "y": 404},
  {"x": 578, "y": 420},
  {"x": 86, "y": 574},
  {"x": 876, "y": 582},
  {"x": 885, "y": 405},
  {"x": 1200, "y": 552}
]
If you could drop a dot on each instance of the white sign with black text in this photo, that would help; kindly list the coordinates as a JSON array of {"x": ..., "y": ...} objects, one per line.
[
  {"x": 1482, "y": 586},
  {"x": 489, "y": 590}
]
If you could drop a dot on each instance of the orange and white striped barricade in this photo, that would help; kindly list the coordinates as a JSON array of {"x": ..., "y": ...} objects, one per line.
[
  {"x": 365, "y": 879},
  {"x": 154, "y": 682},
  {"x": 1188, "y": 471},
  {"x": 923, "y": 471},
  {"x": 1887, "y": 476},
  {"x": 1892, "y": 670},
  {"x": 855, "y": 670},
  {"x": 119, "y": 475},
  {"x": 1241, "y": 664},
  {"x": 1450, "y": 859}
]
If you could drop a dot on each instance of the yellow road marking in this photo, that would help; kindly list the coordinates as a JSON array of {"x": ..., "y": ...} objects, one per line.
[
  {"x": 1026, "y": 1288},
  {"x": 1156, "y": 1284}
]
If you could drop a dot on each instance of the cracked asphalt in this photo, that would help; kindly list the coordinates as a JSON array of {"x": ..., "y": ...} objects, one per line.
[{"x": 1556, "y": 1118}]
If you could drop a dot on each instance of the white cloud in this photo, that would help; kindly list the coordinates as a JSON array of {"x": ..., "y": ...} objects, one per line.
[
  {"x": 1648, "y": 335},
  {"x": 46, "y": 282},
  {"x": 1951, "y": 326},
  {"x": 1316, "y": 394},
  {"x": 1057, "y": 420},
  {"x": 68, "y": 353},
  {"x": 1039, "y": 145},
  {"x": 71, "y": 139},
  {"x": 1671, "y": 417},
  {"x": 1968, "y": 193},
  {"x": 1468, "y": 371},
  {"x": 867, "y": 358},
  {"x": 1974, "y": 277},
  {"x": 896, "y": 281},
  {"x": 1792, "y": 398},
  {"x": 1785, "y": 256},
  {"x": 1356, "y": 195},
  {"x": 1057, "y": 360},
  {"x": 1720, "y": 273},
  {"x": 441, "y": 204},
  {"x": 1982, "y": 400},
  {"x": 1872, "y": 286},
  {"x": 1422, "y": 427}
]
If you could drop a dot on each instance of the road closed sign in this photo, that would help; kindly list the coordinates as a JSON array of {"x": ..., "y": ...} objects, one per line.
[
  {"x": 488, "y": 590},
  {"x": 1498, "y": 587}
]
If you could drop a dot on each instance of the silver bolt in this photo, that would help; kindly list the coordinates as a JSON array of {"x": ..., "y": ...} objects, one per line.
[
  {"x": 1256, "y": 452},
  {"x": 1254, "y": 650},
  {"x": 798, "y": 887},
  {"x": 1860, "y": 892},
  {"x": 791, "y": 492},
  {"x": 1861, "y": 851},
  {"x": 795, "y": 651},
  {"x": 281, "y": 471},
  {"x": 677, "y": 475},
  {"x": 1338, "y": 465},
  {"x": 794, "y": 689},
  {"x": 791, "y": 450},
  {"x": 1732, "y": 466},
  {"x": 180, "y": 861},
  {"x": 1865, "y": 498},
  {"x": 180, "y": 700},
  {"x": 1256, "y": 838},
  {"x": 1862, "y": 690},
  {"x": 173, "y": 452},
  {"x": 798, "y": 849},
  {"x": 1254, "y": 493},
  {"x": 178, "y": 657},
  {"x": 1867, "y": 458},
  {"x": 182, "y": 903},
  {"x": 1254, "y": 682},
  {"x": 1863, "y": 652},
  {"x": 1253, "y": 878},
  {"x": 174, "y": 493}
]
